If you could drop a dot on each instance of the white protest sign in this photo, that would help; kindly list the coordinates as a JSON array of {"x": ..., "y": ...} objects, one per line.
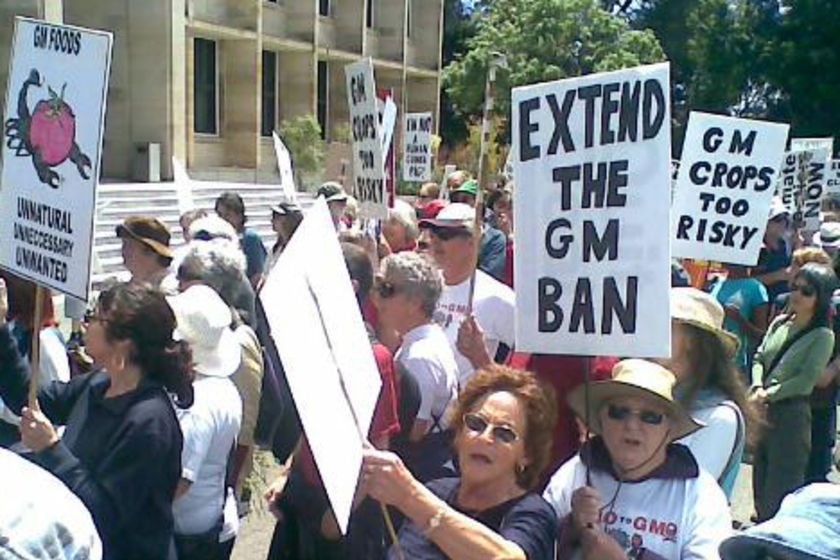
[
  {"x": 832, "y": 185},
  {"x": 368, "y": 160},
  {"x": 802, "y": 186},
  {"x": 388, "y": 122},
  {"x": 326, "y": 353},
  {"x": 724, "y": 188},
  {"x": 448, "y": 170},
  {"x": 417, "y": 154},
  {"x": 52, "y": 140},
  {"x": 183, "y": 187},
  {"x": 799, "y": 144},
  {"x": 284, "y": 165},
  {"x": 592, "y": 165}
]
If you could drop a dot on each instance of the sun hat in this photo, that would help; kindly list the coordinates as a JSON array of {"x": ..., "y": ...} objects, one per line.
[
  {"x": 807, "y": 527},
  {"x": 634, "y": 378},
  {"x": 701, "y": 310},
  {"x": 828, "y": 237},
  {"x": 147, "y": 230},
  {"x": 469, "y": 186},
  {"x": 332, "y": 192},
  {"x": 454, "y": 215},
  {"x": 203, "y": 320},
  {"x": 777, "y": 208}
]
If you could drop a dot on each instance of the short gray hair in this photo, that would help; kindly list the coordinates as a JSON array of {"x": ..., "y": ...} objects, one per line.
[
  {"x": 403, "y": 214},
  {"x": 219, "y": 265},
  {"x": 416, "y": 276}
]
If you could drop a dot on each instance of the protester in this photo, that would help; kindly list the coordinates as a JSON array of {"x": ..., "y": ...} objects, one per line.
[
  {"x": 828, "y": 239},
  {"x": 453, "y": 249},
  {"x": 41, "y": 518},
  {"x": 428, "y": 192},
  {"x": 491, "y": 254},
  {"x": 798, "y": 259},
  {"x": 795, "y": 350},
  {"x": 145, "y": 252},
  {"x": 632, "y": 492},
  {"x": 306, "y": 528},
  {"x": 503, "y": 210},
  {"x": 121, "y": 450},
  {"x": 746, "y": 304},
  {"x": 186, "y": 220},
  {"x": 205, "y": 529},
  {"x": 502, "y": 424},
  {"x": 231, "y": 208},
  {"x": 709, "y": 386},
  {"x": 406, "y": 293},
  {"x": 399, "y": 229},
  {"x": 774, "y": 257},
  {"x": 807, "y": 527},
  {"x": 336, "y": 199},
  {"x": 285, "y": 219}
]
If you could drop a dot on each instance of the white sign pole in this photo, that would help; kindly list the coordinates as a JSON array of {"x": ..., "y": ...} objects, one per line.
[
  {"x": 284, "y": 165},
  {"x": 183, "y": 187},
  {"x": 592, "y": 265},
  {"x": 368, "y": 159},
  {"x": 724, "y": 188},
  {"x": 54, "y": 122},
  {"x": 417, "y": 155}
]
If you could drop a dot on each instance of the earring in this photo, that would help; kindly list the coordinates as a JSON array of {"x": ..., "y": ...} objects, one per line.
[
  {"x": 520, "y": 469},
  {"x": 121, "y": 365}
]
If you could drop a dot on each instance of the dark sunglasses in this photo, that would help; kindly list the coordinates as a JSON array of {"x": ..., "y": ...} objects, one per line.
[
  {"x": 385, "y": 289},
  {"x": 619, "y": 413},
  {"x": 446, "y": 234},
  {"x": 478, "y": 425},
  {"x": 806, "y": 290}
]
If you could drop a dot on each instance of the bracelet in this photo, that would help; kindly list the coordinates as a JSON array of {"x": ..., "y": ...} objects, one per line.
[{"x": 434, "y": 522}]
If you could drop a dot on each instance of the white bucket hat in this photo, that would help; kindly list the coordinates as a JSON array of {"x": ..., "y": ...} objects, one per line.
[{"x": 204, "y": 322}]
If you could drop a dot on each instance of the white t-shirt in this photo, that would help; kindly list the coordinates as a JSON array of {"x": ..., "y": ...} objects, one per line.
[
  {"x": 494, "y": 310},
  {"x": 210, "y": 427},
  {"x": 713, "y": 445},
  {"x": 676, "y": 518},
  {"x": 426, "y": 354},
  {"x": 40, "y": 517}
]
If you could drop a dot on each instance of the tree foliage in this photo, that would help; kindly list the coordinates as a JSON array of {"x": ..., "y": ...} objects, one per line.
[
  {"x": 543, "y": 40},
  {"x": 302, "y": 137}
]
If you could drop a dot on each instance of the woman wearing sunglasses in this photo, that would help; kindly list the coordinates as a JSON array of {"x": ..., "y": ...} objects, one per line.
[
  {"x": 120, "y": 452},
  {"x": 502, "y": 423},
  {"x": 631, "y": 492},
  {"x": 787, "y": 364}
]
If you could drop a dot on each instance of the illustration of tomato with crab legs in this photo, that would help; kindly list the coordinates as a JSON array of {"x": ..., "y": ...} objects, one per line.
[{"x": 47, "y": 134}]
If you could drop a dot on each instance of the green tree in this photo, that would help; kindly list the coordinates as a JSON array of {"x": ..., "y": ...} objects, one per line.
[
  {"x": 543, "y": 40},
  {"x": 302, "y": 136}
]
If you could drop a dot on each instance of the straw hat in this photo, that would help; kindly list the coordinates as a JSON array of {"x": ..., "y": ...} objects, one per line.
[
  {"x": 204, "y": 322},
  {"x": 149, "y": 231},
  {"x": 634, "y": 378},
  {"x": 699, "y": 309}
]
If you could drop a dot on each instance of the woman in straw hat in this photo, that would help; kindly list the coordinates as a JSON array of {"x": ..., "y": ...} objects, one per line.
[
  {"x": 787, "y": 364},
  {"x": 632, "y": 492},
  {"x": 708, "y": 384}
]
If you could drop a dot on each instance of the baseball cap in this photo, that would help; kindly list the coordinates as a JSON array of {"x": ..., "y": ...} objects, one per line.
[
  {"x": 332, "y": 191},
  {"x": 454, "y": 215},
  {"x": 431, "y": 209},
  {"x": 147, "y": 230},
  {"x": 286, "y": 208},
  {"x": 468, "y": 187}
]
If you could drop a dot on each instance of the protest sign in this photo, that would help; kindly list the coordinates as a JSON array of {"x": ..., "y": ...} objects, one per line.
[
  {"x": 448, "y": 170},
  {"x": 799, "y": 144},
  {"x": 368, "y": 161},
  {"x": 832, "y": 185},
  {"x": 183, "y": 187},
  {"x": 52, "y": 140},
  {"x": 724, "y": 187},
  {"x": 284, "y": 166},
  {"x": 326, "y": 353},
  {"x": 592, "y": 165},
  {"x": 387, "y": 121},
  {"x": 417, "y": 154},
  {"x": 802, "y": 186}
]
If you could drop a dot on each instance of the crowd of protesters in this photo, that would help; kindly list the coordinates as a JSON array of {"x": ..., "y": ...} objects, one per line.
[{"x": 476, "y": 450}]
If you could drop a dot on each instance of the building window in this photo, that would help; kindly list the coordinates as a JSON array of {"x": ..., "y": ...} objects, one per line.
[
  {"x": 323, "y": 89},
  {"x": 408, "y": 9},
  {"x": 269, "y": 92},
  {"x": 324, "y": 7},
  {"x": 369, "y": 16},
  {"x": 205, "y": 87}
]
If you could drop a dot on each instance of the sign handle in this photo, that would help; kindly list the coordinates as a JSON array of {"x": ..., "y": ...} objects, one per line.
[{"x": 35, "y": 352}]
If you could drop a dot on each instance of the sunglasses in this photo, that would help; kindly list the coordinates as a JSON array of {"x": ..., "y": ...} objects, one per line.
[
  {"x": 446, "y": 234},
  {"x": 91, "y": 316},
  {"x": 386, "y": 290},
  {"x": 620, "y": 413},
  {"x": 478, "y": 425},
  {"x": 805, "y": 289}
]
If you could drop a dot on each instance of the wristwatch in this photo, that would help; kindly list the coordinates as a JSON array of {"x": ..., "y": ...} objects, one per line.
[{"x": 434, "y": 522}]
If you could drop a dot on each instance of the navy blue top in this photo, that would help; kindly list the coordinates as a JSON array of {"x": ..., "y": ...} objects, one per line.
[
  {"x": 527, "y": 521},
  {"x": 771, "y": 260},
  {"x": 491, "y": 253},
  {"x": 121, "y": 456}
]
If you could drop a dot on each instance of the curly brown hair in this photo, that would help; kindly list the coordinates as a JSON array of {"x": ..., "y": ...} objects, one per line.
[{"x": 540, "y": 412}]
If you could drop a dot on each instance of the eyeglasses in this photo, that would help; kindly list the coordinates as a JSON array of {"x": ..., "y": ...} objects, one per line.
[
  {"x": 478, "y": 425},
  {"x": 385, "y": 289},
  {"x": 446, "y": 234},
  {"x": 619, "y": 413},
  {"x": 806, "y": 290},
  {"x": 92, "y": 316}
]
